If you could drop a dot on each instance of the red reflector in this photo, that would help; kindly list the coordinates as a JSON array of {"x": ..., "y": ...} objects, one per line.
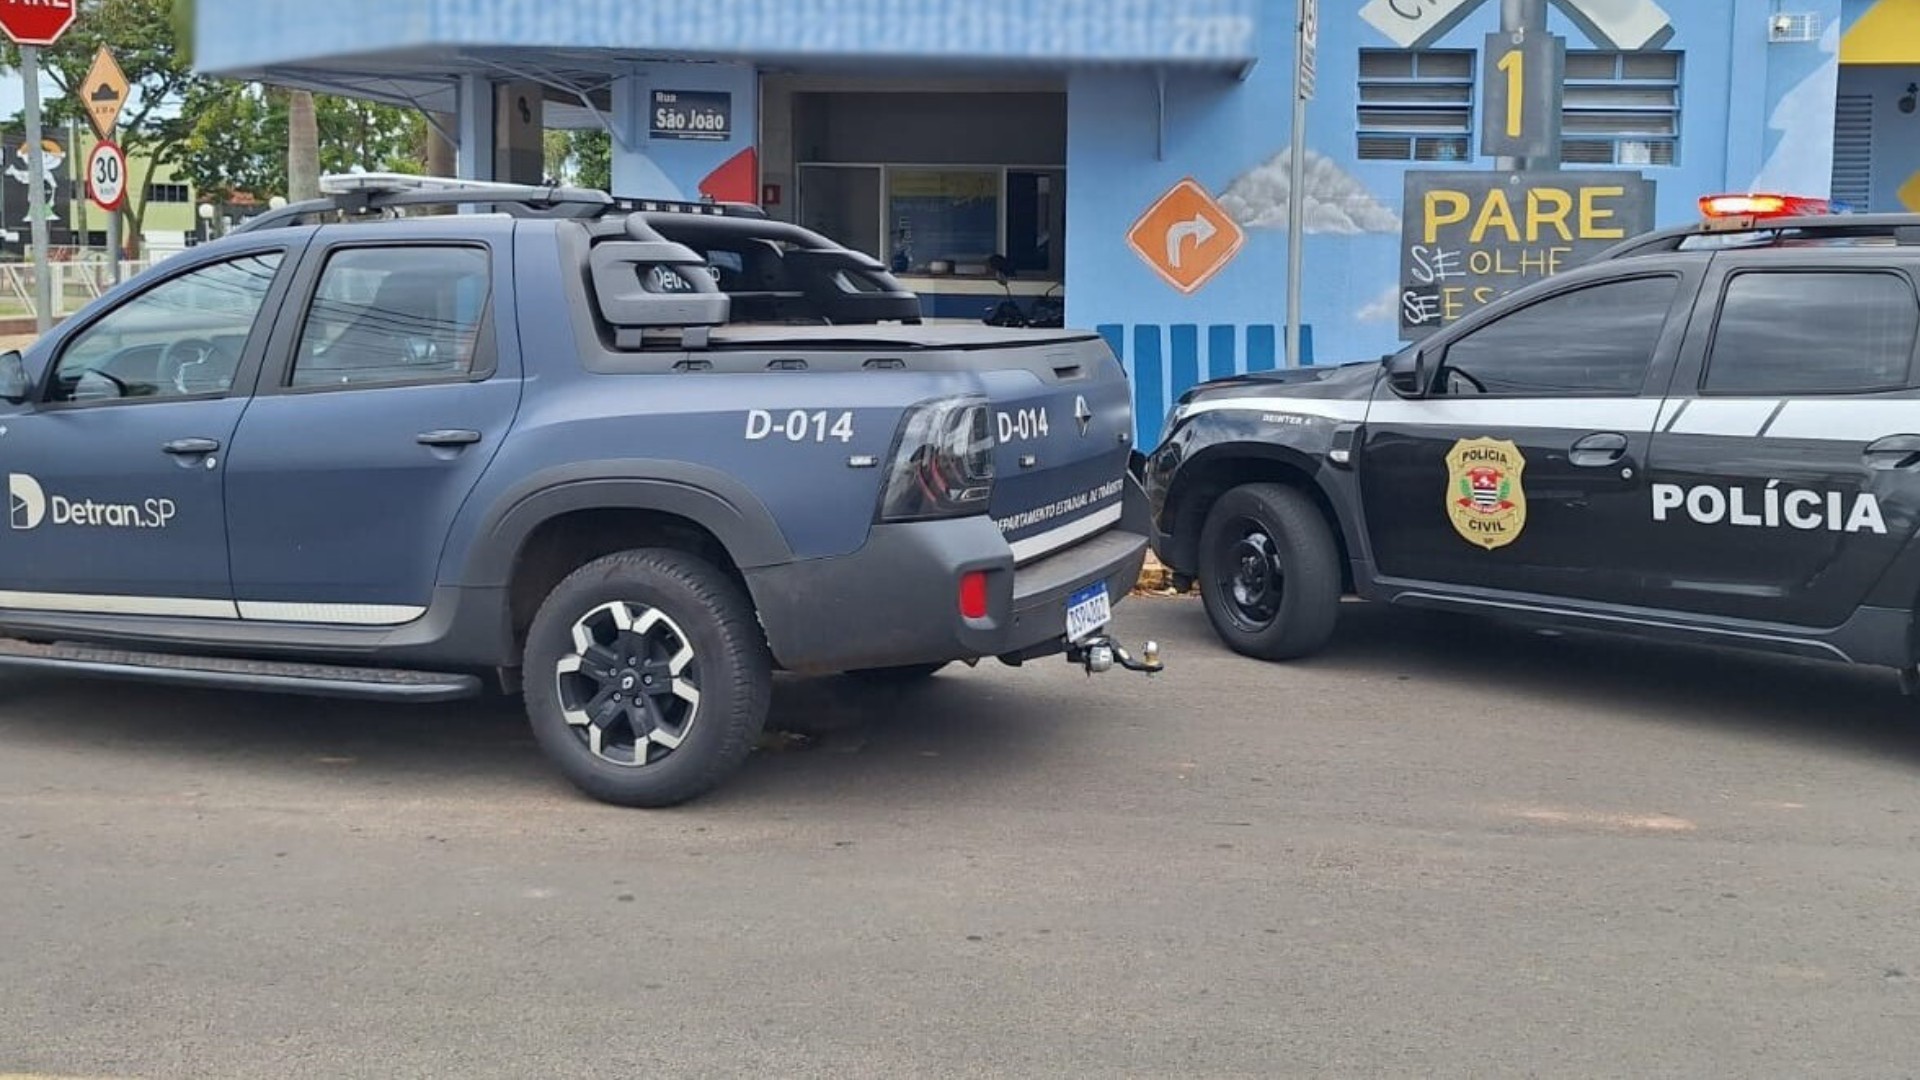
[{"x": 973, "y": 594}]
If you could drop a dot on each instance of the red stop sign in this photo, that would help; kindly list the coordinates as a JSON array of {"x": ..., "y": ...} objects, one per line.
[{"x": 36, "y": 22}]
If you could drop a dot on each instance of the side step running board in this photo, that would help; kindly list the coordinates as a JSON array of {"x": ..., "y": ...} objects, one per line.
[{"x": 276, "y": 676}]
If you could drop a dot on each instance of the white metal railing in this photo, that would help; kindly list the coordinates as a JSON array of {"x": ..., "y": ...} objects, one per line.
[{"x": 74, "y": 283}]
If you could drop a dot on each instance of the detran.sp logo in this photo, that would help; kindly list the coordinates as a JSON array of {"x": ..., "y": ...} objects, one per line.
[
  {"x": 26, "y": 501},
  {"x": 29, "y": 505}
]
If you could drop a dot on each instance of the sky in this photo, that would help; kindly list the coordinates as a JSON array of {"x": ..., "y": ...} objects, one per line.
[{"x": 13, "y": 92}]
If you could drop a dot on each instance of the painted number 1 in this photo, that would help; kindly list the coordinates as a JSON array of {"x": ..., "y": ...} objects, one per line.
[{"x": 1514, "y": 63}]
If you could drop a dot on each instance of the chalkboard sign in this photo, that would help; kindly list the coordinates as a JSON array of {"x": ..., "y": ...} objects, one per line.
[
  {"x": 704, "y": 115},
  {"x": 1469, "y": 238}
]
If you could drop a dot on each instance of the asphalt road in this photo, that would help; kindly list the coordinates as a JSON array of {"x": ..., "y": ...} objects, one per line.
[{"x": 1441, "y": 849}]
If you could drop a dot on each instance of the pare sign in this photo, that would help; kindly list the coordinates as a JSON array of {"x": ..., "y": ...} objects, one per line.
[{"x": 1468, "y": 239}]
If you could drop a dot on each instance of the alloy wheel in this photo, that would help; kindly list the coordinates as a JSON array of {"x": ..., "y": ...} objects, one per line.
[{"x": 630, "y": 689}]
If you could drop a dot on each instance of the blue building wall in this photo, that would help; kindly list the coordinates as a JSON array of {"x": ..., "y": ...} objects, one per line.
[
  {"x": 1896, "y": 139},
  {"x": 1752, "y": 114},
  {"x": 1895, "y": 164}
]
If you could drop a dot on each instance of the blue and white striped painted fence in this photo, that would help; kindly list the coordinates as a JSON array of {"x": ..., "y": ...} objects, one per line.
[{"x": 1164, "y": 361}]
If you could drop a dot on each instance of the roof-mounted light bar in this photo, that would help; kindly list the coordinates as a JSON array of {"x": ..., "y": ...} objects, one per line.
[
  {"x": 388, "y": 183},
  {"x": 1839, "y": 226},
  {"x": 1741, "y": 210}
]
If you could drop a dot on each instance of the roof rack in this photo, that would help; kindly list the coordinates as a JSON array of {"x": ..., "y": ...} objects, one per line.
[
  {"x": 1754, "y": 231},
  {"x": 370, "y": 193}
]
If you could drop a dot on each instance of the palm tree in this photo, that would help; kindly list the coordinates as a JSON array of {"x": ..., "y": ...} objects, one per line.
[{"x": 303, "y": 147}]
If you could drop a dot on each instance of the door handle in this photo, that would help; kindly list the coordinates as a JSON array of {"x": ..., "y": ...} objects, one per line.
[
  {"x": 190, "y": 447},
  {"x": 1599, "y": 450},
  {"x": 1893, "y": 452},
  {"x": 447, "y": 437}
]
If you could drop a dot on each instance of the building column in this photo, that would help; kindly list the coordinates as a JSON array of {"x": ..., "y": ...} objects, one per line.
[
  {"x": 634, "y": 175},
  {"x": 475, "y": 160},
  {"x": 518, "y": 156}
]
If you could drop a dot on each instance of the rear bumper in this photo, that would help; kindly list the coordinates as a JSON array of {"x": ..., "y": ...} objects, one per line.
[{"x": 896, "y": 600}]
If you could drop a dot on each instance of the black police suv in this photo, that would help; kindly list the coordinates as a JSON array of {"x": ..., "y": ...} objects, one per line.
[{"x": 1708, "y": 433}]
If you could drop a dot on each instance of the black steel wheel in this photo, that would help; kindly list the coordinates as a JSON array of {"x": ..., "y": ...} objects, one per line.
[
  {"x": 1270, "y": 572},
  {"x": 647, "y": 677},
  {"x": 1251, "y": 577}
]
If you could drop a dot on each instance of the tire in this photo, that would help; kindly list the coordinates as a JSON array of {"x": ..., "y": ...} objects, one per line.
[
  {"x": 904, "y": 675},
  {"x": 1270, "y": 572},
  {"x": 692, "y": 648}
]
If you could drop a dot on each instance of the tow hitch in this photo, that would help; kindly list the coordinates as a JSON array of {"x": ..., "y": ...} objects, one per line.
[{"x": 1100, "y": 652}]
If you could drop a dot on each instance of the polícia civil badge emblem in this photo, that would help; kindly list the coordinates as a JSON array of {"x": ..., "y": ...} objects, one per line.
[{"x": 1485, "y": 499}]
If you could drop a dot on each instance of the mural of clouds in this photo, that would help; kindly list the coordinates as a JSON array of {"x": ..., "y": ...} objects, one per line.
[
  {"x": 1802, "y": 162},
  {"x": 1336, "y": 202},
  {"x": 1382, "y": 308}
]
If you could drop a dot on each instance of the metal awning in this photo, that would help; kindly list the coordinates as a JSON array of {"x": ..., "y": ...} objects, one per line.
[{"x": 370, "y": 42}]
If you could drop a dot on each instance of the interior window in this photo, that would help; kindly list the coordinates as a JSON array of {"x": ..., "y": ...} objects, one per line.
[
  {"x": 181, "y": 338},
  {"x": 1596, "y": 340},
  {"x": 942, "y": 216},
  {"x": 394, "y": 315},
  {"x": 1813, "y": 333}
]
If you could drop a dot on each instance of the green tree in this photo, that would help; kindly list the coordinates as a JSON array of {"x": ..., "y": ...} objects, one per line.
[
  {"x": 241, "y": 139},
  {"x": 582, "y": 158},
  {"x": 267, "y": 141},
  {"x": 153, "y": 127},
  {"x": 556, "y": 156},
  {"x": 592, "y": 158}
]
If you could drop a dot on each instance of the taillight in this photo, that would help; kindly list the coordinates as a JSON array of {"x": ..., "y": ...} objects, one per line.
[
  {"x": 943, "y": 464},
  {"x": 973, "y": 594}
]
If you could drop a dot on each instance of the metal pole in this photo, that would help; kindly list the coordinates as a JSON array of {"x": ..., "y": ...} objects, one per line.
[
  {"x": 1517, "y": 16},
  {"x": 77, "y": 192},
  {"x": 1296, "y": 190},
  {"x": 36, "y": 190},
  {"x": 113, "y": 219}
]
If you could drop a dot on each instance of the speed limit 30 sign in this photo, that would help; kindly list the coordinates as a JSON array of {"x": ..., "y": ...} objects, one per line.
[{"x": 107, "y": 176}]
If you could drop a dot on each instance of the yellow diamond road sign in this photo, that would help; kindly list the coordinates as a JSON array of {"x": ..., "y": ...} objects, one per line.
[
  {"x": 1910, "y": 193},
  {"x": 105, "y": 92}
]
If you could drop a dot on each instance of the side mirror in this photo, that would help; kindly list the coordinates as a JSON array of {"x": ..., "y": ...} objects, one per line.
[
  {"x": 15, "y": 386},
  {"x": 1407, "y": 373}
]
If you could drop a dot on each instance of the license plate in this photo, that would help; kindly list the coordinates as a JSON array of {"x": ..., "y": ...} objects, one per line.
[{"x": 1088, "y": 610}]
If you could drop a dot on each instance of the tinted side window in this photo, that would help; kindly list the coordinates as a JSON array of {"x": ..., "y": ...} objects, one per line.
[
  {"x": 1596, "y": 340},
  {"x": 394, "y": 315},
  {"x": 1813, "y": 333},
  {"x": 181, "y": 338}
]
